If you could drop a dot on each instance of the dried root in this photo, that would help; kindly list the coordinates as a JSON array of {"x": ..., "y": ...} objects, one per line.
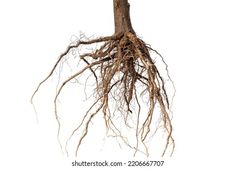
[{"x": 119, "y": 66}]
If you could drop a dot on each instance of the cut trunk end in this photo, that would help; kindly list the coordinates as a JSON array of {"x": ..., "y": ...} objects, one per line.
[{"x": 122, "y": 16}]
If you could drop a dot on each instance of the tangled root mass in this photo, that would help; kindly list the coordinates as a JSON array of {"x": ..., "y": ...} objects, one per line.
[{"x": 118, "y": 65}]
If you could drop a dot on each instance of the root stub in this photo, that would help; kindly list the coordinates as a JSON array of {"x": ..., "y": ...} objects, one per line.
[{"x": 118, "y": 66}]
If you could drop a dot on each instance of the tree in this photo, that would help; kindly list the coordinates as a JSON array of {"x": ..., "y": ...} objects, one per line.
[{"x": 120, "y": 64}]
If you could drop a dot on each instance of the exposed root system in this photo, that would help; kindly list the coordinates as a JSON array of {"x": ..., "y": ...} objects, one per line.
[{"x": 118, "y": 66}]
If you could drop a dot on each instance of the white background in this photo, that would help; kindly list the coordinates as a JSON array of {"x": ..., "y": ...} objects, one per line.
[{"x": 196, "y": 38}]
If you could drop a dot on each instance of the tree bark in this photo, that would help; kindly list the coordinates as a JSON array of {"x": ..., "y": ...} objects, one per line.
[{"x": 122, "y": 19}]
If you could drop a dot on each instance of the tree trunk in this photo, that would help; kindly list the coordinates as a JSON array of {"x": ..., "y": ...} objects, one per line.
[{"x": 122, "y": 16}]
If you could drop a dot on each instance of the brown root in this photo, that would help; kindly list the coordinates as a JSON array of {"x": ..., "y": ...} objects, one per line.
[{"x": 119, "y": 65}]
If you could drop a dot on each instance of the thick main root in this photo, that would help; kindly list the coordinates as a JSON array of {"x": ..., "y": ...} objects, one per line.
[{"x": 119, "y": 65}]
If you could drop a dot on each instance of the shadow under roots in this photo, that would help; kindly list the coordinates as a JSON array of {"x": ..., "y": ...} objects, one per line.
[{"x": 118, "y": 65}]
